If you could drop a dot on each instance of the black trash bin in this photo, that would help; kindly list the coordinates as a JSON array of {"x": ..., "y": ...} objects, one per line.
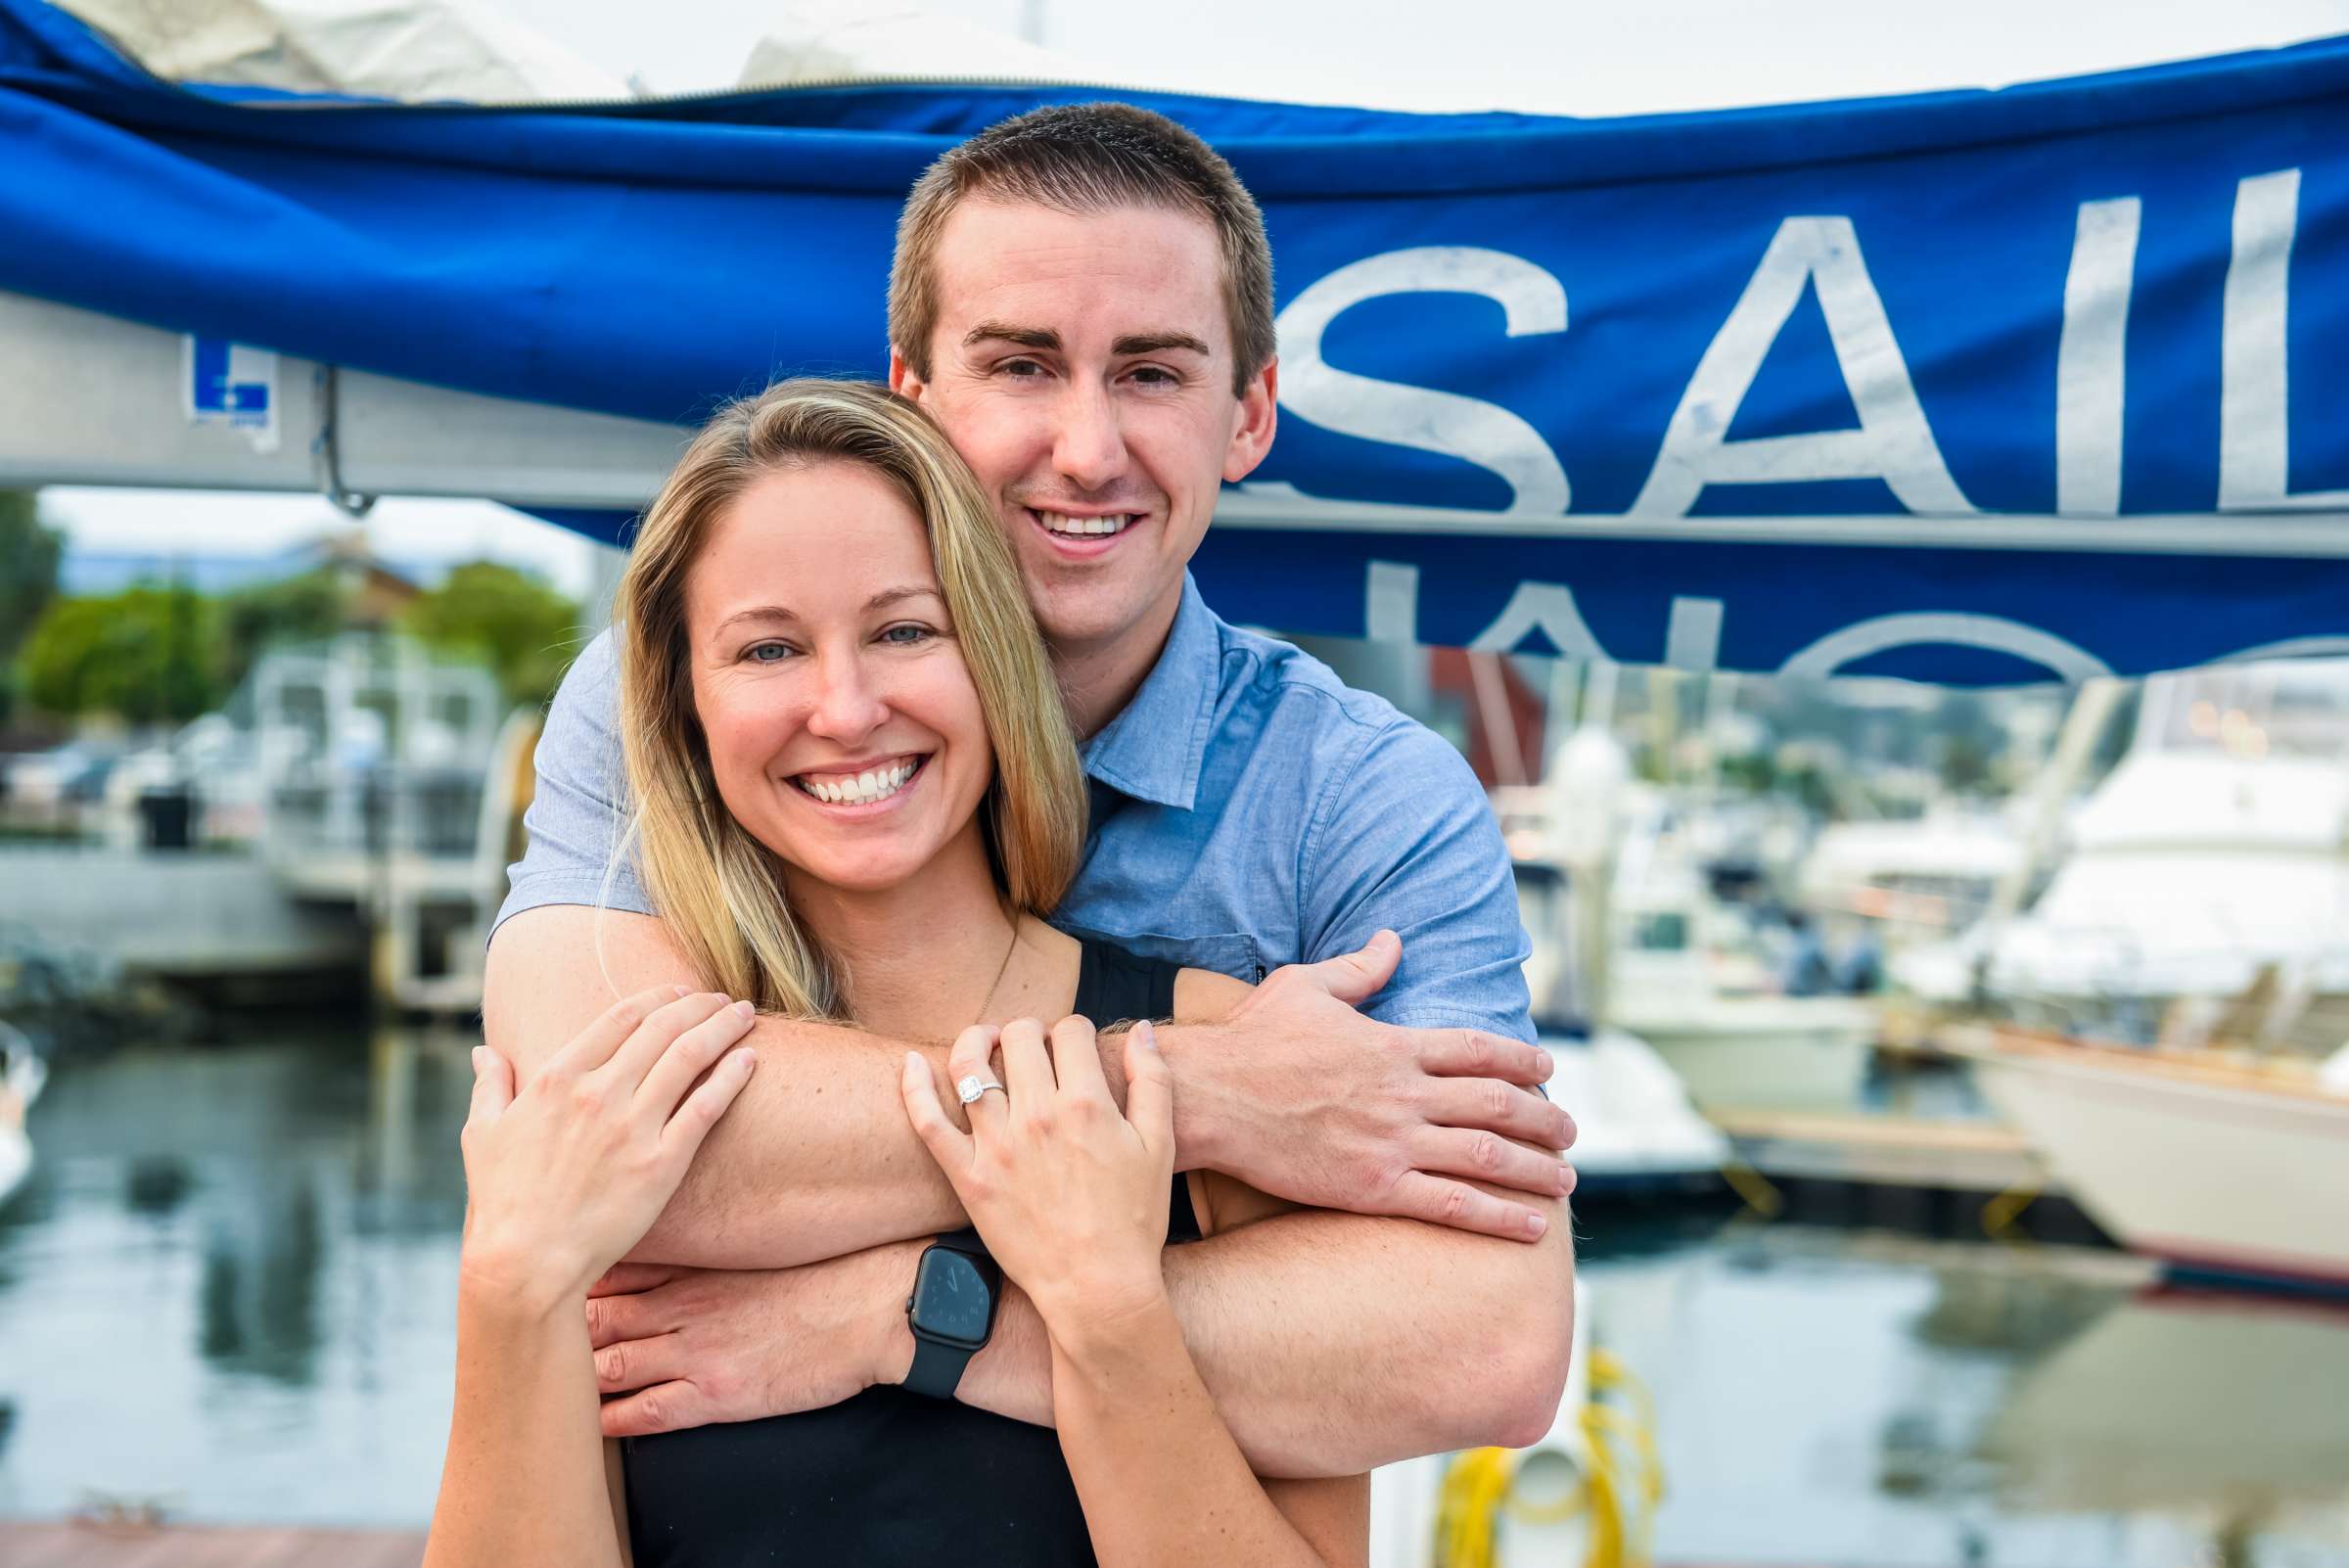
[{"x": 167, "y": 817}]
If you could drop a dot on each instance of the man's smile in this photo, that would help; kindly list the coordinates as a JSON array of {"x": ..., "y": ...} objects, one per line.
[{"x": 1082, "y": 535}]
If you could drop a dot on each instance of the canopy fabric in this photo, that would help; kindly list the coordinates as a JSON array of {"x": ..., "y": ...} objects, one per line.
[
  {"x": 828, "y": 41},
  {"x": 1965, "y": 386},
  {"x": 407, "y": 50}
]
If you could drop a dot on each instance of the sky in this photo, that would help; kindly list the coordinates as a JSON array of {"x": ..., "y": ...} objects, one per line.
[
  {"x": 159, "y": 524},
  {"x": 1585, "y": 56}
]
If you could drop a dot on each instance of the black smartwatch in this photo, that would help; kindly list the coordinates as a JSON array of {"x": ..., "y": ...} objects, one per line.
[{"x": 951, "y": 1311}]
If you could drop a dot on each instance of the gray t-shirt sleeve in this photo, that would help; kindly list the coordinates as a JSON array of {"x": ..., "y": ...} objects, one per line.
[{"x": 577, "y": 817}]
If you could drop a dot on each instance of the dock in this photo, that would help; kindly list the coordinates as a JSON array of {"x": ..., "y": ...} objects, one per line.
[
  {"x": 77, "y": 1546},
  {"x": 1927, "y": 1175},
  {"x": 1878, "y": 1150},
  {"x": 65, "y": 1545},
  {"x": 181, "y": 915}
]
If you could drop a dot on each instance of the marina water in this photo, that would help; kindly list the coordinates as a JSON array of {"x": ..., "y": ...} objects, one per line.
[{"x": 227, "y": 1290}]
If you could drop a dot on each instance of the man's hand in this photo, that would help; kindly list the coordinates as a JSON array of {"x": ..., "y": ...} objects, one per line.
[
  {"x": 1299, "y": 1096},
  {"x": 687, "y": 1347}
]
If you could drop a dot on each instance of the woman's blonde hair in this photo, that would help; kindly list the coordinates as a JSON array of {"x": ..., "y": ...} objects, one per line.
[{"x": 715, "y": 886}]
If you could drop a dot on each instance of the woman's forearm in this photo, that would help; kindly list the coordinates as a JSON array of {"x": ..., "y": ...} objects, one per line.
[
  {"x": 1161, "y": 1480},
  {"x": 523, "y": 1482}
]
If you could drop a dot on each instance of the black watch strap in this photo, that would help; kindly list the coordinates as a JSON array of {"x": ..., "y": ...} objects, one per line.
[{"x": 937, "y": 1369}]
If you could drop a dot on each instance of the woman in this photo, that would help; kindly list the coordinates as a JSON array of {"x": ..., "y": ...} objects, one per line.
[{"x": 857, "y": 794}]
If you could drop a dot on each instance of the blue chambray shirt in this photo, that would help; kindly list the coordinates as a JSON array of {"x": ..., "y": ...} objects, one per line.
[{"x": 1249, "y": 810}]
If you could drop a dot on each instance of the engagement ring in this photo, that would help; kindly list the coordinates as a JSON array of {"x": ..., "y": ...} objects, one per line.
[{"x": 972, "y": 1086}]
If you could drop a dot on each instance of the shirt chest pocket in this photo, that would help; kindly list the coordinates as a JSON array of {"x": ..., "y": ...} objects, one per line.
[{"x": 1232, "y": 954}]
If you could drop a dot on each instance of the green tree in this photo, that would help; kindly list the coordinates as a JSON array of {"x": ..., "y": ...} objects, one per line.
[
  {"x": 29, "y": 553},
  {"x": 297, "y": 608},
  {"x": 147, "y": 654},
  {"x": 523, "y": 630}
]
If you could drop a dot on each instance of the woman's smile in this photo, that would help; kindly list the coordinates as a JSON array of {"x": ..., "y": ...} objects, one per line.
[{"x": 860, "y": 788}]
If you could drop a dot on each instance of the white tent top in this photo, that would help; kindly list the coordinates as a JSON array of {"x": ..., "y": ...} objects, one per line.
[
  {"x": 1558, "y": 59},
  {"x": 407, "y": 50}
]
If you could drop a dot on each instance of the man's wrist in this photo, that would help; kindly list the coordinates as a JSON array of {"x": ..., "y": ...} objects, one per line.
[
  {"x": 889, "y": 1348},
  {"x": 1193, "y": 1053}
]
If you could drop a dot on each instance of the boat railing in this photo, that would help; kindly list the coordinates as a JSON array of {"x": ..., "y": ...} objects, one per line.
[{"x": 434, "y": 813}]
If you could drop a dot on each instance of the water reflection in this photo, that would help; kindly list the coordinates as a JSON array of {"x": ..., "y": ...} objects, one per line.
[
  {"x": 2017, "y": 1314},
  {"x": 1867, "y": 1398},
  {"x": 156, "y": 1186},
  {"x": 230, "y": 1282},
  {"x": 2235, "y": 1409},
  {"x": 258, "y": 1300},
  {"x": 418, "y": 1082}
]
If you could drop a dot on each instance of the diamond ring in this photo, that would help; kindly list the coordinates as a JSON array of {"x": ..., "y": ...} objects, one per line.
[{"x": 973, "y": 1085}]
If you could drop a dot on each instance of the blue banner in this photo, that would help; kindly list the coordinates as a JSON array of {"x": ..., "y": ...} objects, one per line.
[{"x": 1965, "y": 386}]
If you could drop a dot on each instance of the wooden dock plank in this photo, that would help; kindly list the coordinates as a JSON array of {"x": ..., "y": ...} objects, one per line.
[{"x": 30, "y": 1545}]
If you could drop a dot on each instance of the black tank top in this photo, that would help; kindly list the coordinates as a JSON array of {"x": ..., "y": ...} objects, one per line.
[{"x": 887, "y": 1479}]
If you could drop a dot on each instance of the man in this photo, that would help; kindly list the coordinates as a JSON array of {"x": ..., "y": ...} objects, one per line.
[{"x": 1083, "y": 299}]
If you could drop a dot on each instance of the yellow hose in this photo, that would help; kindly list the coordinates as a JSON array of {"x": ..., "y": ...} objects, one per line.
[
  {"x": 2000, "y": 1213},
  {"x": 1756, "y": 1189},
  {"x": 1469, "y": 1507},
  {"x": 1479, "y": 1485}
]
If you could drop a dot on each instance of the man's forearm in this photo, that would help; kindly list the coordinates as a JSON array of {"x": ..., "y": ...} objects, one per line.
[
  {"x": 821, "y": 1165},
  {"x": 814, "y": 1159},
  {"x": 1326, "y": 1349}
]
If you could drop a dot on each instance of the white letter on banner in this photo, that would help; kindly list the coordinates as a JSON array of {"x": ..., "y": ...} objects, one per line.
[
  {"x": 1391, "y": 602},
  {"x": 1893, "y": 442},
  {"x": 1693, "y": 636},
  {"x": 2254, "y": 373},
  {"x": 1548, "y": 606},
  {"x": 1480, "y": 433},
  {"x": 2092, "y": 358}
]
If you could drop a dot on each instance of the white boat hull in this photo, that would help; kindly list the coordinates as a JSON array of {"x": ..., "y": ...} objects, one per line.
[
  {"x": 2230, "y": 1177},
  {"x": 15, "y": 1160},
  {"x": 20, "y": 1080},
  {"x": 1776, "y": 1052},
  {"x": 1634, "y": 1126}
]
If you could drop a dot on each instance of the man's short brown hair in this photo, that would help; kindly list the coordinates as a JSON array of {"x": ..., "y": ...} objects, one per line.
[{"x": 1084, "y": 158}]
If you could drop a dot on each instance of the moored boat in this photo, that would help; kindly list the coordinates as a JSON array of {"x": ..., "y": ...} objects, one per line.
[
  {"x": 22, "y": 1073},
  {"x": 1636, "y": 1135},
  {"x": 2216, "y": 1164},
  {"x": 1760, "y": 1051},
  {"x": 1686, "y": 974}
]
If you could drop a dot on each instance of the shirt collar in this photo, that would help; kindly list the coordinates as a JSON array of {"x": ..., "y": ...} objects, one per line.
[{"x": 1156, "y": 747}]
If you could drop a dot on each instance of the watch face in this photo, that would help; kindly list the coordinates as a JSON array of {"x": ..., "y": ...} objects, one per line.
[{"x": 951, "y": 1301}]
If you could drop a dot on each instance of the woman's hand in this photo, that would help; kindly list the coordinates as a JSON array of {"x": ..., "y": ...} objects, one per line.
[
  {"x": 562, "y": 1179},
  {"x": 1068, "y": 1194}
]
